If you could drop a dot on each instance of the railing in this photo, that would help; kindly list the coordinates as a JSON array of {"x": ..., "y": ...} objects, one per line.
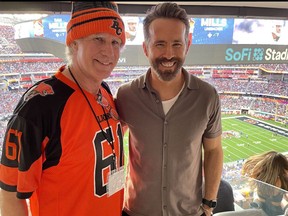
[{"x": 253, "y": 194}]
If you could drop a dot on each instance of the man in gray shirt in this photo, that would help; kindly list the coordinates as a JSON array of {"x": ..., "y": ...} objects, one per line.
[{"x": 171, "y": 116}]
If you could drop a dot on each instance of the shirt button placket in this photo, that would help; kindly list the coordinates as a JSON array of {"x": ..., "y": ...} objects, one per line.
[{"x": 164, "y": 171}]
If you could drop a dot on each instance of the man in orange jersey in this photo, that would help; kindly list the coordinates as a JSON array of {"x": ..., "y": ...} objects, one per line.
[{"x": 63, "y": 147}]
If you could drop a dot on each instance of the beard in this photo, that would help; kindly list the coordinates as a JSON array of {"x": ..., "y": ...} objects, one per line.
[{"x": 167, "y": 74}]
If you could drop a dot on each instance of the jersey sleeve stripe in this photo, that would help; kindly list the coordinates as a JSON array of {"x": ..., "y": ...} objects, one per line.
[
  {"x": 30, "y": 179},
  {"x": 8, "y": 176}
]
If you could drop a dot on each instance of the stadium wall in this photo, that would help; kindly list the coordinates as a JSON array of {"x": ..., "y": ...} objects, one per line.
[
  {"x": 42, "y": 45},
  {"x": 198, "y": 54}
]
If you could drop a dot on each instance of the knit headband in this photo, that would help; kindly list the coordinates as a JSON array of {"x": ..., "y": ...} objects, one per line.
[{"x": 92, "y": 18}]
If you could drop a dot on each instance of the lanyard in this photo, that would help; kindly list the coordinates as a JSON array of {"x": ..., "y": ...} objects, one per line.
[{"x": 111, "y": 143}]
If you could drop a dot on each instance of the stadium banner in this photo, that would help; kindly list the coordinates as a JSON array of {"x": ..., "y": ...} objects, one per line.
[
  {"x": 198, "y": 54},
  {"x": 202, "y": 30},
  {"x": 51, "y": 27},
  {"x": 260, "y": 31},
  {"x": 214, "y": 40},
  {"x": 216, "y": 55},
  {"x": 133, "y": 30},
  {"x": 211, "y": 30},
  {"x": 55, "y": 27},
  {"x": 237, "y": 54}
]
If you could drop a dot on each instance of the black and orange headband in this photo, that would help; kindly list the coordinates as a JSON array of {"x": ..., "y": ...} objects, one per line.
[{"x": 92, "y": 18}]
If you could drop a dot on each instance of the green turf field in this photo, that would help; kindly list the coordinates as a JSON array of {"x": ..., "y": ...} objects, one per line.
[
  {"x": 249, "y": 139},
  {"x": 241, "y": 139}
]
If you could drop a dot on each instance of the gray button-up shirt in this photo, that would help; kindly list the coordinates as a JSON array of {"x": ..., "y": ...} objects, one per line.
[{"x": 165, "y": 151}]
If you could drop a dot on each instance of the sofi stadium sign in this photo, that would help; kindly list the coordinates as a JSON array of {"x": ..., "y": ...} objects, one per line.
[{"x": 258, "y": 54}]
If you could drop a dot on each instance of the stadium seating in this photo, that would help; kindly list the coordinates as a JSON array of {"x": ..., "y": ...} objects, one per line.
[{"x": 247, "y": 212}]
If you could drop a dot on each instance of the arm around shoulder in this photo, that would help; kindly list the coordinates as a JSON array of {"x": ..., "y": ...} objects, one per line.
[{"x": 11, "y": 205}]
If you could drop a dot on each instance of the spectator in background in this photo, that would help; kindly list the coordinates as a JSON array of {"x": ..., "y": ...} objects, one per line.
[
  {"x": 63, "y": 145},
  {"x": 271, "y": 168},
  {"x": 171, "y": 115},
  {"x": 225, "y": 198}
]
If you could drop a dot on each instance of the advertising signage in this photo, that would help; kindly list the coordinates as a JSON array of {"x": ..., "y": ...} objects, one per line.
[
  {"x": 212, "y": 30},
  {"x": 216, "y": 55},
  {"x": 55, "y": 27},
  {"x": 202, "y": 30},
  {"x": 214, "y": 40},
  {"x": 52, "y": 27},
  {"x": 237, "y": 54}
]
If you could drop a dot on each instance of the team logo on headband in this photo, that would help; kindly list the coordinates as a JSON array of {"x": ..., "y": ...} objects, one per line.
[{"x": 117, "y": 28}]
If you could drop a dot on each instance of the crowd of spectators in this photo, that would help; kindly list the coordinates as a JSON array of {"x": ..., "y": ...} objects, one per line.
[
  {"x": 235, "y": 97},
  {"x": 246, "y": 93},
  {"x": 274, "y": 67},
  {"x": 10, "y": 98},
  {"x": 235, "y": 102},
  {"x": 28, "y": 67},
  {"x": 239, "y": 68},
  {"x": 263, "y": 87},
  {"x": 7, "y": 42},
  {"x": 266, "y": 87}
]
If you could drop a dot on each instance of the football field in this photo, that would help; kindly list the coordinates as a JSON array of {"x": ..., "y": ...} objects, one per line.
[{"x": 244, "y": 136}]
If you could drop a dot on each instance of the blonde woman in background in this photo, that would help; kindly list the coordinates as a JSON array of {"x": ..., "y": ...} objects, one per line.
[{"x": 271, "y": 168}]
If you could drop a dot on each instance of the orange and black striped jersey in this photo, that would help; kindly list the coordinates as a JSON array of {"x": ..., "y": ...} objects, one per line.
[{"x": 55, "y": 153}]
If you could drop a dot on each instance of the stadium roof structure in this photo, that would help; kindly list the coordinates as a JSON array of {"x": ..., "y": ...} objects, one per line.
[
  {"x": 243, "y": 9},
  {"x": 12, "y": 13},
  {"x": 12, "y": 19}
]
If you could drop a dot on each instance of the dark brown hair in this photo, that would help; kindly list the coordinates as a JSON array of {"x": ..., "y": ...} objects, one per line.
[{"x": 165, "y": 10}]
